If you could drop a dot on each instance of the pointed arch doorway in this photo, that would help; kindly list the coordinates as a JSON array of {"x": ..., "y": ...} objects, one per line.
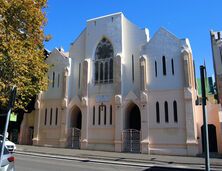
[
  {"x": 75, "y": 127},
  {"x": 131, "y": 135}
]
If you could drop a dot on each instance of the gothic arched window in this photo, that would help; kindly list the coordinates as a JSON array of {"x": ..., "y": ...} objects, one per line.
[{"x": 104, "y": 62}]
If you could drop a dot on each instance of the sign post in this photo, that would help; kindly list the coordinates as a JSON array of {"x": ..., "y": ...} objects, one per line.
[
  {"x": 10, "y": 106},
  {"x": 206, "y": 142}
]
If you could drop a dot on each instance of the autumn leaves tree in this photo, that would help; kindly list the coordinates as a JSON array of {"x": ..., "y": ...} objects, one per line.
[{"x": 21, "y": 50}]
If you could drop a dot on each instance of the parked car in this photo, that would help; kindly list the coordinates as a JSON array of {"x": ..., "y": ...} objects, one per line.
[
  {"x": 8, "y": 160},
  {"x": 10, "y": 145}
]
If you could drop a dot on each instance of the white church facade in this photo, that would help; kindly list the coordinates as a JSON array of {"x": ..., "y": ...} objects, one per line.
[{"x": 117, "y": 89}]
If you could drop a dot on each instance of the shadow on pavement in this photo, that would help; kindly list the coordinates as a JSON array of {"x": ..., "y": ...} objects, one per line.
[{"x": 155, "y": 168}]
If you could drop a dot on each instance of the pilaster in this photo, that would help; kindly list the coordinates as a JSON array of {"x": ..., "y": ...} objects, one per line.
[
  {"x": 144, "y": 123},
  {"x": 64, "y": 110},
  {"x": 84, "y": 130},
  {"x": 192, "y": 143},
  {"x": 36, "y": 136},
  {"x": 118, "y": 123}
]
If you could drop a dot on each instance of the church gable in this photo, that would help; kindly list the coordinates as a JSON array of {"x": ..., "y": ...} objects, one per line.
[
  {"x": 163, "y": 33},
  {"x": 163, "y": 39},
  {"x": 78, "y": 47},
  {"x": 57, "y": 57}
]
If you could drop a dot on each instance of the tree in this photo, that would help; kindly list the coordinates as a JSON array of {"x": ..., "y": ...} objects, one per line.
[{"x": 21, "y": 50}]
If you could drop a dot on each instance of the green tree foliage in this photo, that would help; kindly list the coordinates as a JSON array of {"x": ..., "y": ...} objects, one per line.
[{"x": 21, "y": 50}]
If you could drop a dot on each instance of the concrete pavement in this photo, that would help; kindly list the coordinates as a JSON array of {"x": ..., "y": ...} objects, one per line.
[{"x": 158, "y": 160}]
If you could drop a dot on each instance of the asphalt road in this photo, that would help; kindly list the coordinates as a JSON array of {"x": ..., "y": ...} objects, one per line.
[
  {"x": 38, "y": 163},
  {"x": 33, "y": 163}
]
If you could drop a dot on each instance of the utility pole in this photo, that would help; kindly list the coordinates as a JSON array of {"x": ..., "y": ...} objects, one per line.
[
  {"x": 10, "y": 106},
  {"x": 205, "y": 125}
]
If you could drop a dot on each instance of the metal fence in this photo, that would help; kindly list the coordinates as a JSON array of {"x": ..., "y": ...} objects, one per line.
[
  {"x": 75, "y": 138},
  {"x": 131, "y": 140}
]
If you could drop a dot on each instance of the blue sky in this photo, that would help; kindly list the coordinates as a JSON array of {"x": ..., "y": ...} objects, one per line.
[{"x": 191, "y": 19}]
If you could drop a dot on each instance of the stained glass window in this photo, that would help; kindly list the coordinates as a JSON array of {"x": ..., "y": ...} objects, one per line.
[
  {"x": 104, "y": 49},
  {"x": 104, "y": 62}
]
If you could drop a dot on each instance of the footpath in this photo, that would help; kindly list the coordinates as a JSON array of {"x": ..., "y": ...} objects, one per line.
[{"x": 156, "y": 160}]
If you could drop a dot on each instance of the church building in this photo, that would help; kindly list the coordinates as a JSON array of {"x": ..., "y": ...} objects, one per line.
[{"x": 118, "y": 89}]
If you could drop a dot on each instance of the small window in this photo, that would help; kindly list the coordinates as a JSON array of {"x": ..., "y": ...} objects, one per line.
[
  {"x": 157, "y": 112},
  {"x": 172, "y": 65},
  {"x": 45, "y": 116},
  {"x": 99, "y": 118},
  {"x": 111, "y": 115},
  {"x": 164, "y": 65},
  {"x": 220, "y": 48},
  {"x": 166, "y": 112},
  {"x": 51, "y": 116},
  {"x": 155, "y": 68},
  {"x": 79, "y": 74},
  {"x": 175, "y": 111},
  {"x": 56, "y": 117},
  {"x": 53, "y": 79},
  {"x": 58, "y": 80},
  {"x": 132, "y": 68},
  {"x": 94, "y": 115},
  {"x": 104, "y": 115}
]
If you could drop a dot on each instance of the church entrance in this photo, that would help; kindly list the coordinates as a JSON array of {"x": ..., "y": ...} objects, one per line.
[
  {"x": 212, "y": 138},
  {"x": 131, "y": 135},
  {"x": 75, "y": 127}
]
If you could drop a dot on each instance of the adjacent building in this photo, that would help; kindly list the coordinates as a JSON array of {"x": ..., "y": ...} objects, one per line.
[{"x": 216, "y": 44}]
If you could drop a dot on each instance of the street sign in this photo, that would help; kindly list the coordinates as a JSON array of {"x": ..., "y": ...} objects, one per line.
[{"x": 13, "y": 117}]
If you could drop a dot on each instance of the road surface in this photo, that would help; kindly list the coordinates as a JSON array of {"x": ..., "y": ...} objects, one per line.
[{"x": 40, "y": 163}]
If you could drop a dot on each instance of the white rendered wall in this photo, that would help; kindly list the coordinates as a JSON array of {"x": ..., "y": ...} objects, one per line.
[
  {"x": 77, "y": 54},
  {"x": 109, "y": 27},
  {"x": 99, "y": 136},
  {"x": 127, "y": 40},
  {"x": 165, "y": 137},
  {"x": 133, "y": 39},
  {"x": 164, "y": 44},
  {"x": 52, "y": 99},
  {"x": 172, "y": 134},
  {"x": 57, "y": 63}
]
